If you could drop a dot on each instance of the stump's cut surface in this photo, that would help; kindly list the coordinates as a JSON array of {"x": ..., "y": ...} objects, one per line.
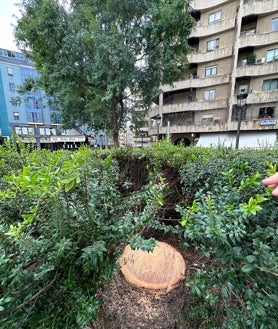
[{"x": 159, "y": 270}]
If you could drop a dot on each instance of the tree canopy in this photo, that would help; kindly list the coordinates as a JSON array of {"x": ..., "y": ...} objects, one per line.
[{"x": 104, "y": 60}]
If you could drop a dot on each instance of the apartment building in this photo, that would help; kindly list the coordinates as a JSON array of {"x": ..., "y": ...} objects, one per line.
[
  {"x": 234, "y": 59},
  {"x": 34, "y": 116}
]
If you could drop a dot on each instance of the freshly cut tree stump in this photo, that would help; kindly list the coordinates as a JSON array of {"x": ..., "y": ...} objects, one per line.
[
  {"x": 159, "y": 270},
  {"x": 142, "y": 295}
]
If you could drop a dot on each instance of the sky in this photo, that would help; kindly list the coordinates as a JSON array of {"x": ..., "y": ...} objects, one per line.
[{"x": 7, "y": 10}]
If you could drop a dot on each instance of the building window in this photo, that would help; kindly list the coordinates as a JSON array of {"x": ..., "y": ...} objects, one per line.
[
  {"x": 211, "y": 70},
  {"x": 270, "y": 84},
  {"x": 207, "y": 119},
  {"x": 33, "y": 103},
  {"x": 266, "y": 113},
  {"x": 11, "y": 54},
  {"x": 24, "y": 130},
  {"x": 38, "y": 104},
  {"x": 272, "y": 55},
  {"x": 167, "y": 99},
  {"x": 53, "y": 105},
  {"x": 212, "y": 44},
  {"x": 55, "y": 118},
  {"x": 28, "y": 73},
  {"x": 251, "y": 31},
  {"x": 31, "y": 131},
  {"x": 16, "y": 116},
  {"x": 19, "y": 56},
  {"x": 274, "y": 24},
  {"x": 18, "y": 130},
  {"x": 214, "y": 17},
  {"x": 14, "y": 101},
  {"x": 12, "y": 86},
  {"x": 10, "y": 71},
  {"x": 34, "y": 117},
  {"x": 209, "y": 94},
  {"x": 3, "y": 52}
]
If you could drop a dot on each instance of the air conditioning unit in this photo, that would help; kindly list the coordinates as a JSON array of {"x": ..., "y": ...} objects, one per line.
[{"x": 260, "y": 60}]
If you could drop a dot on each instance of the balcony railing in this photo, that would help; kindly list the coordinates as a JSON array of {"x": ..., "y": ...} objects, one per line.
[
  {"x": 258, "y": 124},
  {"x": 204, "y": 4},
  {"x": 217, "y": 126},
  {"x": 199, "y": 57},
  {"x": 195, "y": 106},
  {"x": 269, "y": 96},
  {"x": 255, "y": 7},
  {"x": 198, "y": 82},
  {"x": 204, "y": 30},
  {"x": 34, "y": 117},
  {"x": 182, "y": 128},
  {"x": 258, "y": 39},
  {"x": 257, "y": 69}
]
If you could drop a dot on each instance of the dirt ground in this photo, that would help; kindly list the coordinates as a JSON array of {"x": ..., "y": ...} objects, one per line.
[{"x": 127, "y": 307}]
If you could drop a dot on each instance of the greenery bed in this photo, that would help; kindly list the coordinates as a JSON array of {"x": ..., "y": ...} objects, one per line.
[{"x": 66, "y": 216}]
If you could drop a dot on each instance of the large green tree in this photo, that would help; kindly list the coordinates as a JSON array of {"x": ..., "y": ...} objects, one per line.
[{"x": 104, "y": 60}]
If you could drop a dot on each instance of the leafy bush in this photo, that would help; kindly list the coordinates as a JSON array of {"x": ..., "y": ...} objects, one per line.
[
  {"x": 64, "y": 218},
  {"x": 233, "y": 222},
  {"x": 62, "y": 224}
]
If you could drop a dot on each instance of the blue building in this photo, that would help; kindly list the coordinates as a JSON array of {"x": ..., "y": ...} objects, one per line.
[{"x": 34, "y": 116}]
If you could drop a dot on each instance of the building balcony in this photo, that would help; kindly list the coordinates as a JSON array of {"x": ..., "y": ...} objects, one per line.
[
  {"x": 261, "y": 97},
  {"x": 205, "y": 30},
  {"x": 256, "y": 7},
  {"x": 216, "y": 126},
  {"x": 185, "y": 129},
  {"x": 208, "y": 56},
  {"x": 195, "y": 106},
  {"x": 256, "y": 69},
  {"x": 141, "y": 141},
  {"x": 198, "y": 82},
  {"x": 254, "y": 125},
  {"x": 204, "y": 4},
  {"x": 255, "y": 40}
]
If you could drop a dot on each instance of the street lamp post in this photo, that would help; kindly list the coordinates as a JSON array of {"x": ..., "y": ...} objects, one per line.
[
  {"x": 101, "y": 141},
  {"x": 193, "y": 137},
  {"x": 241, "y": 101},
  {"x": 142, "y": 134},
  {"x": 157, "y": 120}
]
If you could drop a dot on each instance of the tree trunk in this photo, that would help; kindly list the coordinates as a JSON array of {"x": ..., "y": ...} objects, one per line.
[
  {"x": 129, "y": 307},
  {"x": 116, "y": 139}
]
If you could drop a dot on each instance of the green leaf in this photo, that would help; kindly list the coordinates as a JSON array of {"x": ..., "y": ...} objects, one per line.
[
  {"x": 185, "y": 220},
  {"x": 69, "y": 185},
  {"x": 247, "y": 268},
  {"x": 139, "y": 242},
  {"x": 107, "y": 162},
  {"x": 159, "y": 199},
  {"x": 251, "y": 258}
]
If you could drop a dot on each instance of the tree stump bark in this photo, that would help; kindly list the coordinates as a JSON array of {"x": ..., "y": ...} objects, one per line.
[{"x": 147, "y": 293}]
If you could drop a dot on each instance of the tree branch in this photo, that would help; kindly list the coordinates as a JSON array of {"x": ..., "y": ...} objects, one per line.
[{"x": 32, "y": 298}]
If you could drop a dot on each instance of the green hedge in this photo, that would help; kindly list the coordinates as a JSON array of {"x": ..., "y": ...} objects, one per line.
[
  {"x": 63, "y": 222},
  {"x": 65, "y": 216},
  {"x": 233, "y": 221}
]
